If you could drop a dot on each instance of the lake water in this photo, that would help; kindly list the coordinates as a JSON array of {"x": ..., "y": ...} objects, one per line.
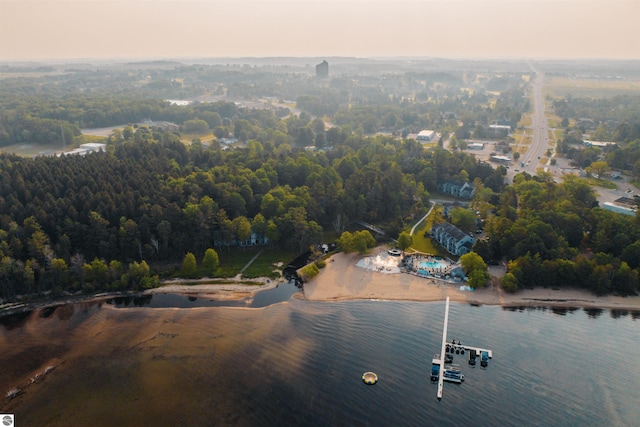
[{"x": 300, "y": 363}]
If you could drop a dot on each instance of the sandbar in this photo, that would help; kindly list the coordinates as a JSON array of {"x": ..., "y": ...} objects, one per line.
[{"x": 233, "y": 290}]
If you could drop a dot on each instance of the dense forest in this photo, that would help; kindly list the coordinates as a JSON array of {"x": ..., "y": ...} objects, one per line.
[
  {"x": 154, "y": 201},
  {"x": 555, "y": 235},
  {"x": 113, "y": 220}
]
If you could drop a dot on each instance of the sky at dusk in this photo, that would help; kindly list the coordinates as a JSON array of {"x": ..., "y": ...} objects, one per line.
[{"x": 149, "y": 29}]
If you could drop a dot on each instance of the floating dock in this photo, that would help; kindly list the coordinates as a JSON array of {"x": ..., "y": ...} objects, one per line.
[{"x": 455, "y": 347}]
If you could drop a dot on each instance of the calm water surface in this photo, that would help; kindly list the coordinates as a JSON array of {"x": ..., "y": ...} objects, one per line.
[{"x": 300, "y": 363}]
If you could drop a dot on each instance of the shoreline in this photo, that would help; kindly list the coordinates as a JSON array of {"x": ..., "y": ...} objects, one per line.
[
  {"x": 232, "y": 289},
  {"x": 342, "y": 280}
]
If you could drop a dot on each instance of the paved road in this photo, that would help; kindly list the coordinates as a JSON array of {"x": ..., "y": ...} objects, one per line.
[
  {"x": 540, "y": 140},
  {"x": 413, "y": 229},
  {"x": 540, "y": 144}
]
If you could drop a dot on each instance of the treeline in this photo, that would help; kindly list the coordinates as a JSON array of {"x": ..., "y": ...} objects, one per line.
[
  {"x": 39, "y": 120},
  {"x": 151, "y": 199},
  {"x": 398, "y": 102},
  {"x": 555, "y": 235}
]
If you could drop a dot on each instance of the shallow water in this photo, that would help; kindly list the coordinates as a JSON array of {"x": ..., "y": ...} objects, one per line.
[{"x": 300, "y": 363}]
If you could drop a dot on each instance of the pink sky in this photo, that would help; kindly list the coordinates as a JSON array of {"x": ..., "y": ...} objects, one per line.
[{"x": 66, "y": 29}]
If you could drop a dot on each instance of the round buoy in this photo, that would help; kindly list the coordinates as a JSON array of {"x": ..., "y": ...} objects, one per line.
[{"x": 369, "y": 378}]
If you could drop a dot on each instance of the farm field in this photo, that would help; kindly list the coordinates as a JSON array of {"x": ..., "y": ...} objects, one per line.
[{"x": 560, "y": 87}]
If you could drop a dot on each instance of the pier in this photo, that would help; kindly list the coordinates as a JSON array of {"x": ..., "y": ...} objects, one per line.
[{"x": 457, "y": 348}]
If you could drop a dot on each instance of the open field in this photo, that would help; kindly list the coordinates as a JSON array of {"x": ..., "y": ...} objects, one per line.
[
  {"x": 204, "y": 138},
  {"x": 603, "y": 183},
  {"x": 522, "y": 140},
  {"x": 526, "y": 120},
  {"x": 33, "y": 150},
  {"x": 102, "y": 132},
  {"x": 560, "y": 87}
]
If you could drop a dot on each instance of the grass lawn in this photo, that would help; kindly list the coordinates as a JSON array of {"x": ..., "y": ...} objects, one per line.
[
  {"x": 557, "y": 133},
  {"x": 424, "y": 244},
  {"x": 264, "y": 265},
  {"x": 602, "y": 183},
  {"x": 187, "y": 138},
  {"x": 521, "y": 141},
  {"x": 526, "y": 120},
  {"x": 232, "y": 261}
]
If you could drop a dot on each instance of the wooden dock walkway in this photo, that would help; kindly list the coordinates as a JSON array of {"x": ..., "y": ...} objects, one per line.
[{"x": 452, "y": 347}]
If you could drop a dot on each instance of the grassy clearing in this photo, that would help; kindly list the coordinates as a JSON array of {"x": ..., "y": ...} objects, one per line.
[
  {"x": 521, "y": 137},
  {"x": 560, "y": 87},
  {"x": 232, "y": 261},
  {"x": 264, "y": 265},
  {"x": 188, "y": 137},
  {"x": 526, "y": 121},
  {"x": 31, "y": 150},
  {"x": 552, "y": 120},
  {"x": 602, "y": 183},
  {"x": 424, "y": 244}
]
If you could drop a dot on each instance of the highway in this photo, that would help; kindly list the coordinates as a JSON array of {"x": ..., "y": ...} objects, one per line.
[
  {"x": 540, "y": 144},
  {"x": 540, "y": 140}
]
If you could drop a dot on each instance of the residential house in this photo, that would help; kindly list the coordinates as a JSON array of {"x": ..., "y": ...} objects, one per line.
[
  {"x": 464, "y": 190},
  {"x": 450, "y": 237}
]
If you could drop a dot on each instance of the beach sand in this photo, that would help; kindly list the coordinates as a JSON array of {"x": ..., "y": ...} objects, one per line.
[{"x": 341, "y": 279}]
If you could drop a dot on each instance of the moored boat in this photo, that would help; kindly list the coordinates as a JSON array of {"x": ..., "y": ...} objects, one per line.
[{"x": 452, "y": 374}]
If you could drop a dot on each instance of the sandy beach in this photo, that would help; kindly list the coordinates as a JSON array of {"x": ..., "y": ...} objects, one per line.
[{"x": 341, "y": 279}]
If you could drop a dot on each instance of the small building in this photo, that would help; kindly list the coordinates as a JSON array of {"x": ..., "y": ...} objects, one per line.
[
  {"x": 601, "y": 144},
  {"x": 627, "y": 202},
  {"x": 93, "y": 146},
  {"x": 255, "y": 239},
  {"x": 426, "y": 136},
  {"x": 613, "y": 207},
  {"x": 504, "y": 160},
  {"x": 450, "y": 237},
  {"x": 464, "y": 190},
  {"x": 475, "y": 146},
  {"x": 322, "y": 70},
  {"x": 499, "y": 130},
  {"x": 89, "y": 147}
]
